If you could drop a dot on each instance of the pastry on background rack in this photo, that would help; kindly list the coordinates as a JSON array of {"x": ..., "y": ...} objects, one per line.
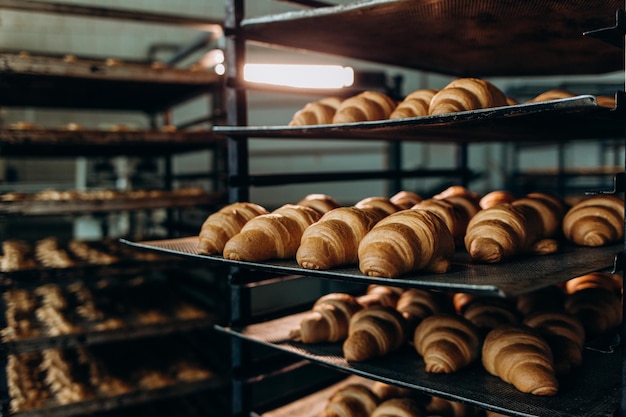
[
  {"x": 415, "y": 104},
  {"x": 595, "y": 221},
  {"x": 465, "y": 94},
  {"x": 366, "y": 106},
  {"x": 320, "y": 202},
  {"x": 405, "y": 199},
  {"x": 317, "y": 112}
]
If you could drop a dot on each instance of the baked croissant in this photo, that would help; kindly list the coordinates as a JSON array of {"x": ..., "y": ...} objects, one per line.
[
  {"x": 564, "y": 333},
  {"x": 416, "y": 304},
  {"x": 328, "y": 320},
  {"x": 455, "y": 214},
  {"x": 606, "y": 101},
  {"x": 455, "y": 191},
  {"x": 406, "y": 241},
  {"x": 519, "y": 356},
  {"x": 405, "y": 199},
  {"x": 611, "y": 282},
  {"x": 334, "y": 239},
  {"x": 598, "y": 309},
  {"x": 367, "y": 106},
  {"x": 222, "y": 225},
  {"x": 271, "y": 236},
  {"x": 374, "y": 332},
  {"x": 494, "y": 198},
  {"x": 487, "y": 313},
  {"x": 550, "y": 209},
  {"x": 399, "y": 407},
  {"x": 447, "y": 342},
  {"x": 316, "y": 113},
  {"x": 555, "y": 94},
  {"x": 386, "y": 391},
  {"x": 501, "y": 232},
  {"x": 441, "y": 407},
  {"x": 414, "y": 105},
  {"x": 466, "y": 94},
  {"x": 380, "y": 295},
  {"x": 320, "y": 202},
  {"x": 352, "y": 400},
  {"x": 380, "y": 203},
  {"x": 595, "y": 221}
]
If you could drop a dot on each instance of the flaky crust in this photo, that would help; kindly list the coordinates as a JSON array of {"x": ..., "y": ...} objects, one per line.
[{"x": 595, "y": 221}]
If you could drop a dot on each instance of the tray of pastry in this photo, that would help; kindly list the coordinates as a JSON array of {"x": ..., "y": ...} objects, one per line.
[
  {"x": 74, "y": 82},
  {"x": 63, "y": 382},
  {"x": 51, "y": 316},
  {"x": 59, "y": 202},
  {"x": 578, "y": 117},
  {"x": 515, "y": 277},
  {"x": 592, "y": 391},
  {"x": 74, "y": 140},
  {"x": 487, "y": 37}
]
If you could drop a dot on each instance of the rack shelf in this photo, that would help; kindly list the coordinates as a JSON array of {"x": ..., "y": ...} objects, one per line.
[
  {"x": 592, "y": 391},
  {"x": 503, "y": 280},
  {"x": 453, "y": 37},
  {"x": 59, "y": 142},
  {"x": 53, "y": 82}
]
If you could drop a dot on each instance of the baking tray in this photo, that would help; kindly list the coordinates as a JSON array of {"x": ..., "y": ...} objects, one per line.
[
  {"x": 456, "y": 37},
  {"x": 592, "y": 391},
  {"x": 506, "y": 279},
  {"x": 567, "y": 119}
]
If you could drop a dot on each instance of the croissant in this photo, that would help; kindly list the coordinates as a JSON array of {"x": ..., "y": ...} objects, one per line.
[
  {"x": 415, "y": 305},
  {"x": 456, "y": 212},
  {"x": 328, "y": 320},
  {"x": 386, "y": 391},
  {"x": 595, "y": 221},
  {"x": 405, "y": 199},
  {"x": 441, "y": 407},
  {"x": 334, "y": 239},
  {"x": 606, "y": 101},
  {"x": 406, "y": 241},
  {"x": 466, "y": 94},
  {"x": 352, "y": 400},
  {"x": 380, "y": 203},
  {"x": 447, "y": 342},
  {"x": 487, "y": 313},
  {"x": 367, "y": 106},
  {"x": 222, "y": 225},
  {"x": 316, "y": 113},
  {"x": 565, "y": 335},
  {"x": 380, "y": 295},
  {"x": 273, "y": 235},
  {"x": 549, "y": 208},
  {"x": 375, "y": 331},
  {"x": 455, "y": 191},
  {"x": 598, "y": 309},
  {"x": 555, "y": 94},
  {"x": 501, "y": 232},
  {"x": 611, "y": 282},
  {"x": 414, "y": 105},
  {"x": 519, "y": 356},
  {"x": 320, "y": 202},
  {"x": 399, "y": 407},
  {"x": 496, "y": 197}
]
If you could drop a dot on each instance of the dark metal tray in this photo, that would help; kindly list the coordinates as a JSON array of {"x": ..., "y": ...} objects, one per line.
[
  {"x": 578, "y": 117},
  {"x": 507, "y": 279},
  {"x": 457, "y": 37},
  {"x": 593, "y": 390}
]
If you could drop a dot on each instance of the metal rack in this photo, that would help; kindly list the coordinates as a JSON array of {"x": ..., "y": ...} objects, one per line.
[{"x": 454, "y": 37}]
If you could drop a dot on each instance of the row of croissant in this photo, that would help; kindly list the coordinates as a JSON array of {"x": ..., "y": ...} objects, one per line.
[
  {"x": 60, "y": 377},
  {"x": 462, "y": 94},
  {"x": 531, "y": 341},
  {"x": 388, "y": 237}
]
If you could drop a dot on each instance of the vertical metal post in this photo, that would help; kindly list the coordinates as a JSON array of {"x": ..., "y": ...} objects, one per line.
[
  {"x": 394, "y": 160},
  {"x": 461, "y": 163}
]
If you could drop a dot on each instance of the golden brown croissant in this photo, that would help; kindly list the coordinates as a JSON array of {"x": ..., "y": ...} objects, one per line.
[
  {"x": 456, "y": 212},
  {"x": 441, "y": 407},
  {"x": 405, "y": 199},
  {"x": 17, "y": 256},
  {"x": 367, "y": 106},
  {"x": 598, "y": 309},
  {"x": 328, "y": 320},
  {"x": 564, "y": 333},
  {"x": 466, "y": 94},
  {"x": 320, "y": 202},
  {"x": 222, "y": 225},
  {"x": 386, "y": 391},
  {"x": 494, "y": 198},
  {"x": 606, "y": 101},
  {"x": 611, "y": 282},
  {"x": 406, "y": 241},
  {"x": 416, "y": 304},
  {"x": 455, "y": 191},
  {"x": 374, "y": 331},
  {"x": 487, "y": 313},
  {"x": 501, "y": 232},
  {"x": 595, "y": 221},
  {"x": 271, "y": 236},
  {"x": 555, "y": 94},
  {"x": 334, "y": 239},
  {"x": 447, "y": 342},
  {"x": 352, "y": 400},
  {"x": 380, "y": 295},
  {"x": 519, "y": 356},
  {"x": 399, "y": 407},
  {"x": 316, "y": 113},
  {"x": 381, "y": 203},
  {"x": 414, "y": 105},
  {"x": 550, "y": 209}
]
